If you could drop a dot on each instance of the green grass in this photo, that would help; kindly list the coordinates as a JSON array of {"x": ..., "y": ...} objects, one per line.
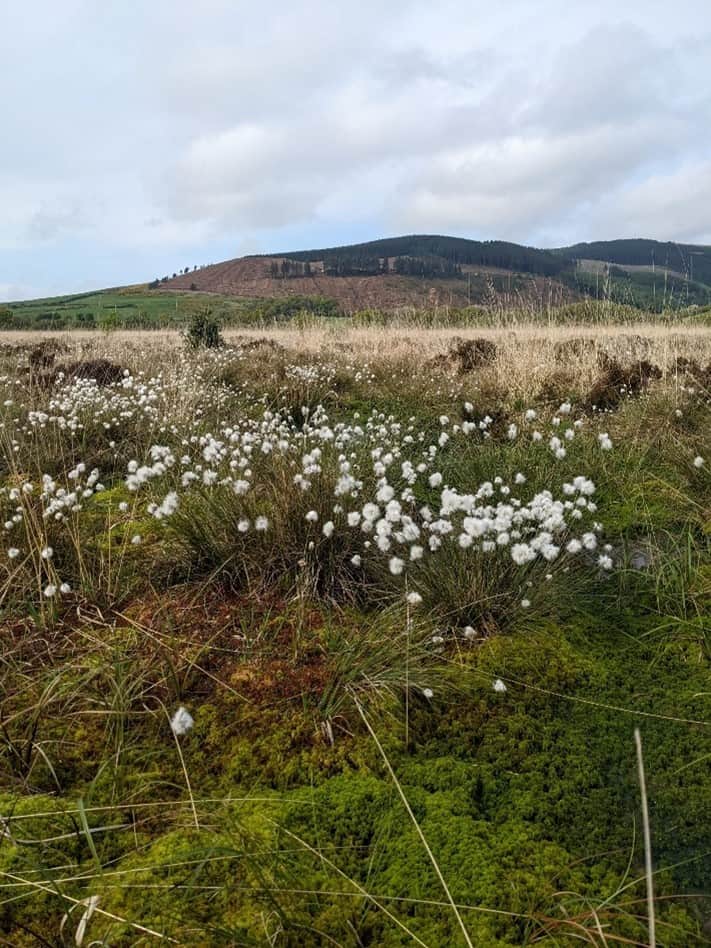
[{"x": 124, "y": 308}]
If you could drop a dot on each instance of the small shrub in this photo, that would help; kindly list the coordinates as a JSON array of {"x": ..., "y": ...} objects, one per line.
[{"x": 203, "y": 331}]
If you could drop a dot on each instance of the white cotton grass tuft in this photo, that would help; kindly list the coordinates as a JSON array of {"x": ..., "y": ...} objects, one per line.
[
  {"x": 167, "y": 507},
  {"x": 699, "y": 461},
  {"x": 182, "y": 721},
  {"x": 499, "y": 686},
  {"x": 369, "y": 471},
  {"x": 414, "y": 598},
  {"x": 605, "y": 441},
  {"x": 428, "y": 693}
]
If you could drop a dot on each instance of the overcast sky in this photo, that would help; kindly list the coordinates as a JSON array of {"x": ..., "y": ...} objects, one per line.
[{"x": 138, "y": 137}]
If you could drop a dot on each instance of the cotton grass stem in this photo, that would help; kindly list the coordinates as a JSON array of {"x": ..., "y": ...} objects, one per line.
[
  {"x": 185, "y": 772},
  {"x": 647, "y": 840},
  {"x": 407, "y": 674}
]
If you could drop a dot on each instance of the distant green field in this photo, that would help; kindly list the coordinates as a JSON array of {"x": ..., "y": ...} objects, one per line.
[
  {"x": 123, "y": 308},
  {"x": 141, "y": 308}
]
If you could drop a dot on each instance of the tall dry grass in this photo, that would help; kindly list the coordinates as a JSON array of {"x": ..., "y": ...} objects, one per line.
[{"x": 526, "y": 356}]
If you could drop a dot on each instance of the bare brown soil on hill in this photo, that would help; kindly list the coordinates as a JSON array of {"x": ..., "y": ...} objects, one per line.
[{"x": 250, "y": 278}]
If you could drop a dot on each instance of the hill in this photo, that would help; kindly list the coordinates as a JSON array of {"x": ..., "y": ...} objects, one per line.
[
  {"x": 652, "y": 274},
  {"x": 427, "y": 270},
  {"x": 456, "y": 251},
  {"x": 689, "y": 260},
  {"x": 424, "y": 273},
  {"x": 412, "y": 271}
]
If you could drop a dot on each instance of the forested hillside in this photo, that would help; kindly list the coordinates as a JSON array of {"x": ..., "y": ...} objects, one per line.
[{"x": 456, "y": 250}]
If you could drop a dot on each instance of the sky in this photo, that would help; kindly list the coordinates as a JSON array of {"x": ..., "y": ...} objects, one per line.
[{"x": 139, "y": 138}]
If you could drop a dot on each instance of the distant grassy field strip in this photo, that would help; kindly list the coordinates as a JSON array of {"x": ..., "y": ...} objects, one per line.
[
  {"x": 126, "y": 306},
  {"x": 600, "y": 266}
]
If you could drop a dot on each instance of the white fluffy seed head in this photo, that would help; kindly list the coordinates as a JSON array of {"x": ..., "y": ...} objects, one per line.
[{"x": 181, "y": 722}]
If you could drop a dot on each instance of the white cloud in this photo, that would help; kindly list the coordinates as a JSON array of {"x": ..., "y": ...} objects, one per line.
[
  {"x": 662, "y": 206},
  {"x": 523, "y": 183},
  {"x": 148, "y": 131}
]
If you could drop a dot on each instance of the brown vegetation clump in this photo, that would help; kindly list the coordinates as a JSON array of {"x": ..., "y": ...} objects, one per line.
[
  {"x": 556, "y": 387},
  {"x": 692, "y": 369},
  {"x": 102, "y": 371},
  {"x": 577, "y": 347},
  {"x": 42, "y": 356},
  {"x": 465, "y": 355},
  {"x": 617, "y": 381},
  {"x": 263, "y": 342}
]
